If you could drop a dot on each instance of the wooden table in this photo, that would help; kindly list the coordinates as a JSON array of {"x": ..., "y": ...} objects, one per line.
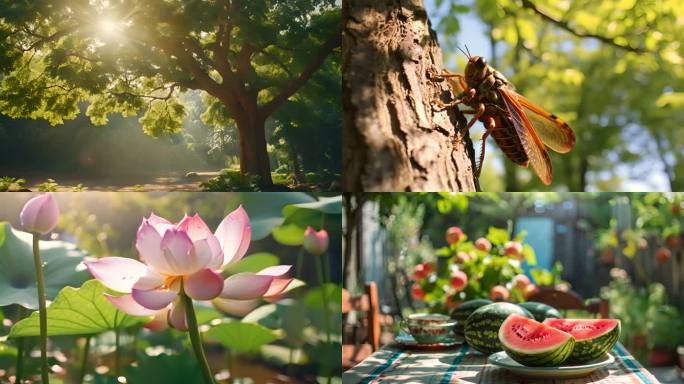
[{"x": 462, "y": 364}]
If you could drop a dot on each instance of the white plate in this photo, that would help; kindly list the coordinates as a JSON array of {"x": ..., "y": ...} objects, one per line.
[
  {"x": 407, "y": 341},
  {"x": 501, "y": 359}
]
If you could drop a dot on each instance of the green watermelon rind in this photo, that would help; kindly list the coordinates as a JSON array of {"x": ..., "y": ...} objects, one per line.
[
  {"x": 549, "y": 356},
  {"x": 461, "y": 313},
  {"x": 482, "y": 326},
  {"x": 541, "y": 311},
  {"x": 587, "y": 350},
  {"x": 546, "y": 359}
]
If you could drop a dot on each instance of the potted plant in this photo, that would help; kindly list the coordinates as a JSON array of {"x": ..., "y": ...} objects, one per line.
[
  {"x": 489, "y": 267},
  {"x": 665, "y": 335},
  {"x": 651, "y": 328}
]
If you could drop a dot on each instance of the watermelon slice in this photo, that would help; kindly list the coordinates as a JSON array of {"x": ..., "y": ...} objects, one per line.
[
  {"x": 532, "y": 343},
  {"x": 594, "y": 336}
]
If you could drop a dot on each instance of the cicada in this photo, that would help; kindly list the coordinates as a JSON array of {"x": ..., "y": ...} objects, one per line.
[{"x": 521, "y": 129}]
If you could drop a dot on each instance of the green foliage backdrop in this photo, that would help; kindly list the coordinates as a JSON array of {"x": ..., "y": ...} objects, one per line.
[
  {"x": 612, "y": 69},
  {"x": 136, "y": 57}
]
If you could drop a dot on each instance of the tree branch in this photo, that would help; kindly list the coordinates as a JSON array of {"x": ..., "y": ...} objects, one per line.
[
  {"x": 42, "y": 40},
  {"x": 583, "y": 34},
  {"x": 316, "y": 61}
]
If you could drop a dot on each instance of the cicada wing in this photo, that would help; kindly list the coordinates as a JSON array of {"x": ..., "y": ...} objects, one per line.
[
  {"x": 552, "y": 131},
  {"x": 534, "y": 148}
]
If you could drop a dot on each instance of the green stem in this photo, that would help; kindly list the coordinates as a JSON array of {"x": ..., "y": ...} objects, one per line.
[
  {"x": 20, "y": 359},
  {"x": 326, "y": 267},
  {"x": 231, "y": 365},
  {"x": 300, "y": 259},
  {"x": 42, "y": 308},
  {"x": 19, "y": 371},
  {"x": 290, "y": 362},
  {"x": 324, "y": 295},
  {"x": 84, "y": 361},
  {"x": 117, "y": 355},
  {"x": 195, "y": 339}
]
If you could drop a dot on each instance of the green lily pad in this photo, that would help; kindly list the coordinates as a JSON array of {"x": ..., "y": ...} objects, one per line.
[
  {"x": 165, "y": 368},
  {"x": 324, "y": 213},
  {"x": 78, "y": 311},
  {"x": 289, "y": 234},
  {"x": 17, "y": 275},
  {"x": 327, "y": 205},
  {"x": 241, "y": 337},
  {"x": 265, "y": 209}
]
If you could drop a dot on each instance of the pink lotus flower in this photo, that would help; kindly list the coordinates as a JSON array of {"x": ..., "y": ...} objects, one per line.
[
  {"x": 186, "y": 255},
  {"x": 40, "y": 214},
  {"x": 316, "y": 243}
]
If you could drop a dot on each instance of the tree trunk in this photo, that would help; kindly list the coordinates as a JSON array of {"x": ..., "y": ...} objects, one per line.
[
  {"x": 253, "y": 155},
  {"x": 393, "y": 139},
  {"x": 584, "y": 169},
  {"x": 296, "y": 165}
]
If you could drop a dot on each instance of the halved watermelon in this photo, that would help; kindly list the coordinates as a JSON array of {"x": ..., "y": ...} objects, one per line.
[
  {"x": 532, "y": 343},
  {"x": 594, "y": 336},
  {"x": 482, "y": 326}
]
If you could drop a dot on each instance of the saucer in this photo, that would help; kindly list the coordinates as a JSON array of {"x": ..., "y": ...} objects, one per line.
[{"x": 407, "y": 341}]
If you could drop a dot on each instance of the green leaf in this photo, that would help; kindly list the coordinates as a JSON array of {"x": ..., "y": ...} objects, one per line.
[
  {"x": 288, "y": 314},
  {"x": 289, "y": 234},
  {"x": 530, "y": 256},
  {"x": 265, "y": 209},
  {"x": 78, "y": 311},
  {"x": 206, "y": 313},
  {"x": 327, "y": 205},
  {"x": 253, "y": 263},
  {"x": 165, "y": 369},
  {"x": 314, "y": 301},
  {"x": 17, "y": 275},
  {"x": 497, "y": 236},
  {"x": 7, "y": 350},
  {"x": 241, "y": 337},
  {"x": 324, "y": 213}
]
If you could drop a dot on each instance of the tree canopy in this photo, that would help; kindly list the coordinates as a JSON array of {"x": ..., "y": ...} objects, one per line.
[
  {"x": 612, "y": 69},
  {"x": 136, "y": 57}
]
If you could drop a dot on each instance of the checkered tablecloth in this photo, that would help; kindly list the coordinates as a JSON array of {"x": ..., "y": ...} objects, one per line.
[{"x": 464, "y": 365}]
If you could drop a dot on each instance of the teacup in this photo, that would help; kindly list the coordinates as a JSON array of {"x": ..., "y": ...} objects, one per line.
[{"x": 428, "y": 328}]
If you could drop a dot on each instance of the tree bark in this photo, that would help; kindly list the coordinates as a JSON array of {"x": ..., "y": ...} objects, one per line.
[
  {"x": 393, "y": 138},
  {"x": 253, "y": 154}
]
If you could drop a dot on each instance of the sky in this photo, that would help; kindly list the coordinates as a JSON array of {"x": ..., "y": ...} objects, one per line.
[{"x": 473, "y": 34}]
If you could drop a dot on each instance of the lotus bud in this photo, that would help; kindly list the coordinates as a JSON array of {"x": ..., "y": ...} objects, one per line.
[
  {"x": 40, "y": 214},
  {"x": 316, "y": 243}
]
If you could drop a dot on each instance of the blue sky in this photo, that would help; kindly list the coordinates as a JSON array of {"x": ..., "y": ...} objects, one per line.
[{"x": 473, "y": 34}]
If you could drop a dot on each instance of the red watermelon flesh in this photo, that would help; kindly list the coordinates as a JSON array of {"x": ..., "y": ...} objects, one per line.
[
  {"x": 584, "y": 329},
  {"x": 530, "y": 342},
  {"x": 594, "y": 336}
]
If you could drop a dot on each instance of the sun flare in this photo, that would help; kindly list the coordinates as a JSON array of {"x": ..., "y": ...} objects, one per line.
[{"x": 109, "y": 27}]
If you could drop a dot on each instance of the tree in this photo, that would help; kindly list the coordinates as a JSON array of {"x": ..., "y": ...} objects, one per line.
[
  {"x": 129, "y": 56},
  {"x": 308, "y": 121},
  {"x": 393, "y": 139}
]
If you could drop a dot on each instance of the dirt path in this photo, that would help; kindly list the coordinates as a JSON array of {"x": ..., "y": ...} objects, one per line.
[{"x": 172, "y": 181}]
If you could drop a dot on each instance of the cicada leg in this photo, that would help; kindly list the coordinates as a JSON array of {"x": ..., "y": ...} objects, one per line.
[
  {"x": 478, "y": 114},
  {"x": 490, "y": 125},
  {"x": 464, "y": 98}
]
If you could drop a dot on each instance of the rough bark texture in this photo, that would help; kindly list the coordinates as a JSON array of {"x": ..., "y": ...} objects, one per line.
[
  {"x": 394, "y": 140},
  {"x": 253, "y": 154}
]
